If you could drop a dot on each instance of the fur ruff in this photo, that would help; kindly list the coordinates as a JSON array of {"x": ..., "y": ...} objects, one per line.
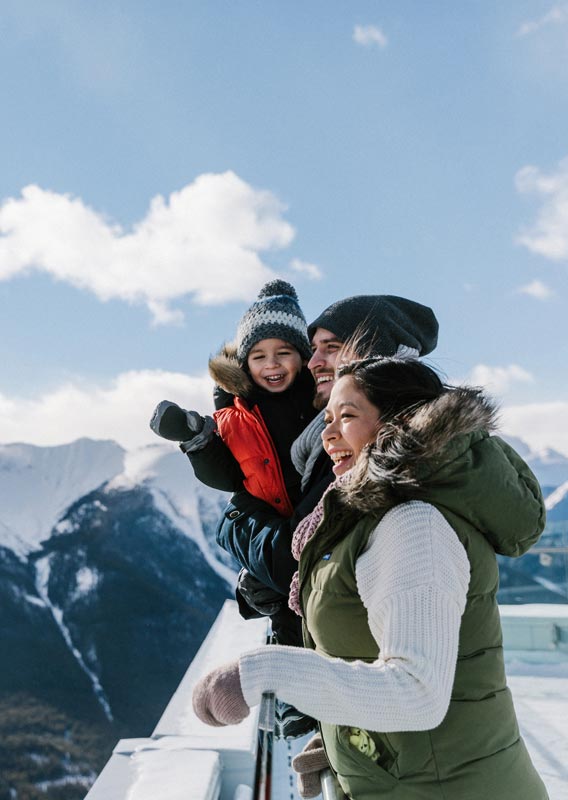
[
  {"x": 225, "y": 370},
  {"x": 396, "y": 466}
]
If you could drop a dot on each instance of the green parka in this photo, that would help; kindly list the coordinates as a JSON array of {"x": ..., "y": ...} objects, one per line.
[{"x": 445, "y": 456}]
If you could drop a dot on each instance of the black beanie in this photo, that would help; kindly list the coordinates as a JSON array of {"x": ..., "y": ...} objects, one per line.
[{"x": 383, "y": 323}]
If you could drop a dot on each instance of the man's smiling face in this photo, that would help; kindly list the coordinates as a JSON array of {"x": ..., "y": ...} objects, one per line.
[{"x": 325, "y": 349}]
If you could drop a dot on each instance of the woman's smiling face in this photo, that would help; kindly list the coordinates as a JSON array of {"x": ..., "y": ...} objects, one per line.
[{"x": 351, "y": 422}]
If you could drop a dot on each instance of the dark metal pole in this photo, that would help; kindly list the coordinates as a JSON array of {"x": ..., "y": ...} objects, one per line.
[{"x": 262, "y": 787}]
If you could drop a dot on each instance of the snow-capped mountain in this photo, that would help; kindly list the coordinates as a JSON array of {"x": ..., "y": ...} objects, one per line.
[
  {"x": 37, "y": 484},
  {"x": 110, "y": 579}
]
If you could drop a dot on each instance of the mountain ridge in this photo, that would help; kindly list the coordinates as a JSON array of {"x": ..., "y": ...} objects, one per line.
[{"x": 110, "y": 579}]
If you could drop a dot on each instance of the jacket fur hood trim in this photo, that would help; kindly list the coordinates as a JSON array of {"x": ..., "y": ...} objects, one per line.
[
  {"x": 225, "y": 370},
  {"x": 398, "y": 465}
]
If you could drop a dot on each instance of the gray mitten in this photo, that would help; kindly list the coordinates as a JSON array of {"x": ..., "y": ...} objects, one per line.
[
  {"x": 308, "y": 764},
  {"x": 174, "y": 423},
  {"x": 178, "y": 425}
]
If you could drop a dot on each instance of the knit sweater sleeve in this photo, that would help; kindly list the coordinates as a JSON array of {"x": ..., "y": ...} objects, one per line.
[{"x": 413, "y": 580}]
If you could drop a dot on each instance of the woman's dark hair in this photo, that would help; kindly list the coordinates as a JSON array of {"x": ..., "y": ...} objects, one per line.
[{"x": 395, "y": 386}]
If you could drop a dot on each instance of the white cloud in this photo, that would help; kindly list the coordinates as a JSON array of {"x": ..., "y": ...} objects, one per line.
[
  {"x": 549, "y": 234},
  {"x": 541, "y": 425},
  {"x": 369, "y": 35},
  {"x": 312, "y": 271},
  {"x": 120, "y": 410},
  {"x": 536, "y": 289},
  {"x": 557, "y": 15},
  {"x": 498, "y": 380},
  {"x": 204, "y": 240}
]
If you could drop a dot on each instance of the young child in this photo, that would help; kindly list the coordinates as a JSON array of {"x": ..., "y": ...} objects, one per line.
[{"x": 264, "y": 400}]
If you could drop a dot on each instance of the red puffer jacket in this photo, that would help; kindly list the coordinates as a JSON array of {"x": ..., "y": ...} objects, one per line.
[{"x": 245, "y": 433}]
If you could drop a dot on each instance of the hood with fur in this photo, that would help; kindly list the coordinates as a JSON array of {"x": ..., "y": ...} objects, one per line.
[
  {"x": 225, "y": 370},
  {"x": 444, "y": 454}
]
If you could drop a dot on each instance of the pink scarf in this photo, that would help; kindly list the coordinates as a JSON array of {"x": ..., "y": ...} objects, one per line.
[{"x": 302, "y": 535}]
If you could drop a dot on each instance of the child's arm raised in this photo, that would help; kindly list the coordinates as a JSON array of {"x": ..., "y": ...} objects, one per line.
[{"x": 212, "y": 461}]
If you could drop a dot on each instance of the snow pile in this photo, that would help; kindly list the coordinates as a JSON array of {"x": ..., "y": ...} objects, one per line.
[{"x": 175, "y": 774}]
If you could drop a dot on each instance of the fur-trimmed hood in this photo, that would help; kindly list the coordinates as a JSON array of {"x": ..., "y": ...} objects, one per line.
[
  {"x": 227, "y": 373},
  {"x": 397, "y": 464},
  {"x": 444, "y": 454}
]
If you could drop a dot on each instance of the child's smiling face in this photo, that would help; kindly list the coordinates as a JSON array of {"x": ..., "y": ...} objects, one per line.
[{"x": 274, "y": 364}]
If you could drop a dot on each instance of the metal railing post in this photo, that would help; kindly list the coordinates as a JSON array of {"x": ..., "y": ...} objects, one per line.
[
  {"x": 330, "y": 789},
  {"x": 262, "y": 787}
]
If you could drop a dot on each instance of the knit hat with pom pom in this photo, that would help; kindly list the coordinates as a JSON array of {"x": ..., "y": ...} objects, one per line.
[{"x": 275, "y": 315}]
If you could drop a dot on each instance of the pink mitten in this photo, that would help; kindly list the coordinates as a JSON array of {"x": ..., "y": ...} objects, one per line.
[
  {"x": 308, "y": 764},
  {"x": 218, "y": 698}
]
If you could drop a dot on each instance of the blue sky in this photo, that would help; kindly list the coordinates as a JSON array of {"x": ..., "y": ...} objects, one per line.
[{"x": 159, "y": 162}]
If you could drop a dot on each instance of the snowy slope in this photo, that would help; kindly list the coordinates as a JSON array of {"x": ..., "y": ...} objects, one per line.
[
  {"x": 37, "y": 484},
  {"x": 176, "y": 492},
  {"x": 110, "y": 578},
  {"x": 108, "y": 561}
]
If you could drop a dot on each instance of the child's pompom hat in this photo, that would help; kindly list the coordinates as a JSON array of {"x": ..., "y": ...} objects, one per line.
[{"x": 275, "y": 314}]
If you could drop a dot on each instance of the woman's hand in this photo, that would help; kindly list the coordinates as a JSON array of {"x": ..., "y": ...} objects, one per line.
[{"x": 218, "y": 698}]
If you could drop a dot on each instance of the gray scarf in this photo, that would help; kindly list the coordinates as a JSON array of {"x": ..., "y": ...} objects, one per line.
[{"x": 307, "y": 448}]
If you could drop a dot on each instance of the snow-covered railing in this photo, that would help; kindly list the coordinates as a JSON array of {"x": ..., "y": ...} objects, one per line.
[{"x": 185, "y": 759}]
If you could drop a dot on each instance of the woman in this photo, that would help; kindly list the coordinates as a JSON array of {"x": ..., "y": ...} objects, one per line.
[{"x": 403, "y": 663}]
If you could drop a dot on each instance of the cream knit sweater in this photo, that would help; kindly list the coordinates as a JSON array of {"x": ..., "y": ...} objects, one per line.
[{"x": 413, "y": 579}]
